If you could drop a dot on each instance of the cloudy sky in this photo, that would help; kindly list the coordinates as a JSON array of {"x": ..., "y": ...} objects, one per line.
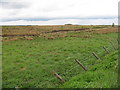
[{"x": 58, "y": 12}]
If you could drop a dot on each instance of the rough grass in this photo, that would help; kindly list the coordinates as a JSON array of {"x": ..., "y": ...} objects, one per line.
[
  {"x": 102, "y": 75},
  {"x": 29, "y": 63},
  {"x": 37, "y": 30}
]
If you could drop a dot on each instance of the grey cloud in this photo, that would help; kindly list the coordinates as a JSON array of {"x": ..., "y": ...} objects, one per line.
[
  {"x": 65, "y": 18},
  {"x": 14, "y": 5}
]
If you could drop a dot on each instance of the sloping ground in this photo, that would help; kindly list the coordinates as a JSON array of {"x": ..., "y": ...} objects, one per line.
[{"x": 102, "y": 75}]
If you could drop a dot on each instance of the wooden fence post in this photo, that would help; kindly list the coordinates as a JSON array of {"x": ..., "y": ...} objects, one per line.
[
  {"x": 94, "y": 54},
  {"x": 81, "y": 65},
  {"x": 58, "y": 76},
  {"x": 106, "y": 49}
]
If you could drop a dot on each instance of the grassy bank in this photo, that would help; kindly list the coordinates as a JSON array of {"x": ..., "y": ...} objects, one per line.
[{"x": 102, "y": 75}]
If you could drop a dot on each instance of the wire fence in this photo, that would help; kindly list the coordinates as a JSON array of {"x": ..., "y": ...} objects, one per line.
[{"x": 76, "y": 68}]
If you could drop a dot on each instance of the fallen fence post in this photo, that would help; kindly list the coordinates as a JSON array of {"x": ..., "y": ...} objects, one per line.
[
  {"x": 106, "y": 49},
  {"x": 59, "y": 77},
  {"x": 94, "y": 54},
  {"x": 113, "y": 45},
  {"x": 81, "y": 65}
]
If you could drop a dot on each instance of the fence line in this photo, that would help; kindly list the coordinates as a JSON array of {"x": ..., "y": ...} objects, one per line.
[
  {"x": 73, "y": 67},
  {"x": 60, "y": 74}
]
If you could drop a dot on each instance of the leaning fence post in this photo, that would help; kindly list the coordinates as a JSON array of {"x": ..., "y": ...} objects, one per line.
[
  {"x": 106, "y": 49},
  {"x": 59, "y": 77},
  {"x": 113, "y": 45},
  {"x": 94, "y": 54},
  {"x": 81, "y": 65}
]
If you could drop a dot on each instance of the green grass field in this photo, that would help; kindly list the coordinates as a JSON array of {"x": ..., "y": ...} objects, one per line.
[{"x": 30, "y": 63}]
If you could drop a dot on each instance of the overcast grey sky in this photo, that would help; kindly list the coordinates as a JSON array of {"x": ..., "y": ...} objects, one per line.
[{"x": 55, "y": 12}]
